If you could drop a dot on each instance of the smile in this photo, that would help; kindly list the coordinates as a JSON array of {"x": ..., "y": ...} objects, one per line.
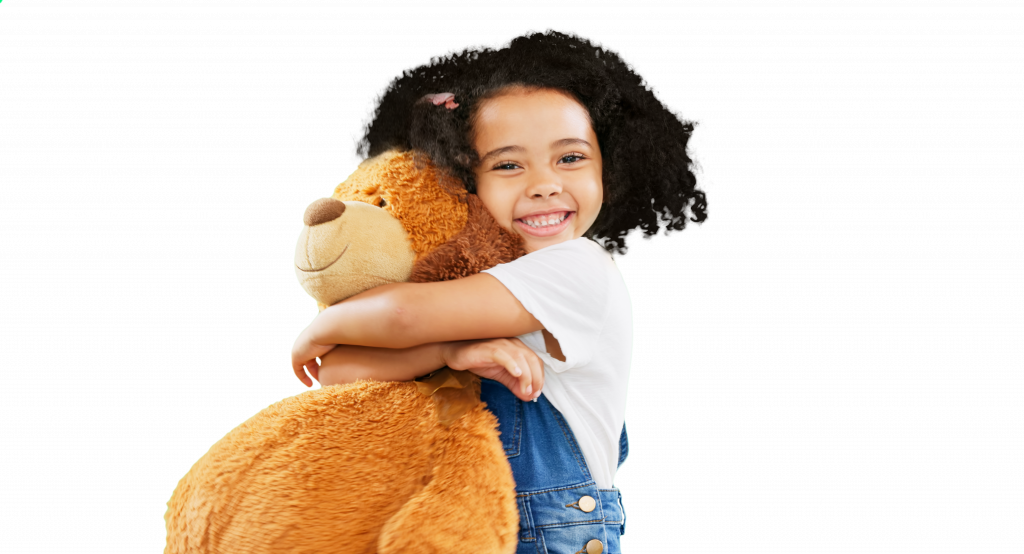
[
  {"x": 545, "y": 225},
  {"x": 314, "y": 270}
]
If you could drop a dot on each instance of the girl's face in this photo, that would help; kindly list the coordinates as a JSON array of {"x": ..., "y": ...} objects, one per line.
[{"x": 540, "y": 165}]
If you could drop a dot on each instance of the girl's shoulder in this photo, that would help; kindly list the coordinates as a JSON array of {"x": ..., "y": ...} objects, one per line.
[{"x": 582, "y": 258}]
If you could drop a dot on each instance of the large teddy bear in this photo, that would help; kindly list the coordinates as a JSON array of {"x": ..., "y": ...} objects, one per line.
[{"x": 369, "y": 467}]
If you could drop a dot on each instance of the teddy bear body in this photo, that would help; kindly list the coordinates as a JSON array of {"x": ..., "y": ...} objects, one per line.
[
  {"x": 363, "y": 467},
  {"x": 368, "y": 466}
]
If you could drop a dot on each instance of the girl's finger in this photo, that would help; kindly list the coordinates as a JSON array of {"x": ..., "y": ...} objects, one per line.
[
  {"x": 526, "y": 379},
  {"x": 504, "y": 359},
  {"x": 519, "y": 371},
  {"x": 300, "y": 371},
  {"x": 537, "y": 369},
  {"x": 540, "y": 369}
]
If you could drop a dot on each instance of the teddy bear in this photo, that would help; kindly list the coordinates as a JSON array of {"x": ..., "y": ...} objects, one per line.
[{"x": 383, "y": 467}]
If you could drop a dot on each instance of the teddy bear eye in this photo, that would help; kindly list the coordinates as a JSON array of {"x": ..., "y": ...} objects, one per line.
[{"x": 382, "y": 203}]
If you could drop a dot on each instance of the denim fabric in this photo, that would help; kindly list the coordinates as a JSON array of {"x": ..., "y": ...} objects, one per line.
[{"x": 551, "y": 477}]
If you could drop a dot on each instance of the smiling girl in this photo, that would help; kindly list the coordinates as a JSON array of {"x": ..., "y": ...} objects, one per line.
[{"x": 568, "y": 149}]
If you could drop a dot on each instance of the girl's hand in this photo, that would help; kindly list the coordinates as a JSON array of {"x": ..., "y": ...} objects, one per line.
[
  {"x": 304, "y": 354},
  {"x": 507, "y": 361}
]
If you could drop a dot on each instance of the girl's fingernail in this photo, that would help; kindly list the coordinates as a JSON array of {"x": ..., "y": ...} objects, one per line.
[
  {"x": 517, "y": 370},
  {"x": 529, "y": 389}
]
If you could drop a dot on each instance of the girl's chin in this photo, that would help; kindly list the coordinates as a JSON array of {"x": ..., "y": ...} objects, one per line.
[{"x": 533, "y": 243}]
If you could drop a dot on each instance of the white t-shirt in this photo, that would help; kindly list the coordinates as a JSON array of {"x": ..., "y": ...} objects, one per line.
[{"x": 575, "y": 290}]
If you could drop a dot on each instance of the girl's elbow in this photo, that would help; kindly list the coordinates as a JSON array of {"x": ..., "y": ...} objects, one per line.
[
  {"x": 402, "y": 325},
  {"x": 402, "y": 328}
]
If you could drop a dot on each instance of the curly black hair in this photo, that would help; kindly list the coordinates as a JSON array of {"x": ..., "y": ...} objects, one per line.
[{"x": 647, "y": 172}]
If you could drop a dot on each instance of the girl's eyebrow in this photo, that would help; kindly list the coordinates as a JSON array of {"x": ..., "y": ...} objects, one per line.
[
  {"x": 568, "y": 141},
  {"x": 519, "y": 149},
  {"x": 502, "y": 150}
]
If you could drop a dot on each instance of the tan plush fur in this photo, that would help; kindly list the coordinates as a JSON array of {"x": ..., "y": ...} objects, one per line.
[
  {"x": 366, "y": 467},
  {"x": 361, "y": 249}
]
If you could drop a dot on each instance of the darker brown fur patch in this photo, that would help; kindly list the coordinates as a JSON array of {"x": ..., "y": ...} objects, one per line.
[{"x": 481, "y": 244}]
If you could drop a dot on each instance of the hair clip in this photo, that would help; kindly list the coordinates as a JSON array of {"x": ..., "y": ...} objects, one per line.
[{"x": 446, "y": 98}]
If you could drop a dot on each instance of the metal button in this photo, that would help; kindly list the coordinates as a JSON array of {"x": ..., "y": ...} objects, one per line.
[
  {"x": 587, "y": 504},
  {"x": 595, "y": 546}
]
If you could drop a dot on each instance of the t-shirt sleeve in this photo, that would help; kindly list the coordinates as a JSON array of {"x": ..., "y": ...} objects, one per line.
[{"x": 564, "y": 286}]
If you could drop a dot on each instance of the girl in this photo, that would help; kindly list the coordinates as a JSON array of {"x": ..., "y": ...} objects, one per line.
[{"x": 567, "y": 148}]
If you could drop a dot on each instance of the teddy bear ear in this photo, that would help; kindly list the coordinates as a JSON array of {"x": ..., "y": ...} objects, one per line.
[{"x": 480, "y": 245}]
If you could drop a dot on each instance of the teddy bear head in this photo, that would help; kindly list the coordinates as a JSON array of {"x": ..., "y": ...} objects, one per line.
[{"x": 396, "y": 218}]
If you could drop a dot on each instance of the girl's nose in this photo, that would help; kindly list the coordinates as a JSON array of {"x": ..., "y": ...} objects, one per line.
[{"x": 544, "y": 186}]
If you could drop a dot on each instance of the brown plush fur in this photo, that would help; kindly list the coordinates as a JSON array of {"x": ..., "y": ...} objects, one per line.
[
  {"x": 430, "y": 207},
  {"x": 365, "y": 467},
  {"x": 480, "y": 245}
]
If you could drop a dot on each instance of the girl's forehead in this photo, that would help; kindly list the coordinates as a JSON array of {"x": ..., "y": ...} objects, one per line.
[
  {"x": 531, "y": 116},
  {"x": 517, "y": 103}
]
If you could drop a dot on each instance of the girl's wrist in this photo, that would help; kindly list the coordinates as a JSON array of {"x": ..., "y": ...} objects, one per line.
[
  {"x": 444, "y": 352},
  {"x": 324, "y": 324}
]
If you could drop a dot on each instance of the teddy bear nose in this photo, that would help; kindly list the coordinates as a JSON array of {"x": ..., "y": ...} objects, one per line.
[{"x": 322, "y": 211}]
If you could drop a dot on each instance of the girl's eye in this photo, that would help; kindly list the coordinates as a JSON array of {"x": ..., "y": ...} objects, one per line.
[{"x": 570, "y": 158}]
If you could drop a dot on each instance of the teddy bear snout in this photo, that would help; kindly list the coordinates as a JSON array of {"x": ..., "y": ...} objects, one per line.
[{"x": 322, "y": 211}]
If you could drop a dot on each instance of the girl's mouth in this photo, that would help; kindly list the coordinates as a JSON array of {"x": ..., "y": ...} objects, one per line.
[{"x": 545, "y": 225}]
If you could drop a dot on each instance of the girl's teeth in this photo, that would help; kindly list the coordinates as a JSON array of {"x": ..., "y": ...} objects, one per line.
[{"x": 545, "y": 221}]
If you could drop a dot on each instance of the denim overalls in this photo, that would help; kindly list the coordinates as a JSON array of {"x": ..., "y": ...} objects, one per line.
[{"x": 561, "y": 510}]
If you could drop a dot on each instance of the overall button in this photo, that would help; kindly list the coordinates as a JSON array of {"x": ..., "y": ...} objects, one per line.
[
  {"x": 587, "y": 504},
  {"x": 595, "y": 547}
]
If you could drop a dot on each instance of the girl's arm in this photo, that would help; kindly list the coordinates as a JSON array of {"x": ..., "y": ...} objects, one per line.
[
  {"x": 404, "y": 315},
  {"x": 508, "y": 361},
  {"x": 348, "y": 364}
]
